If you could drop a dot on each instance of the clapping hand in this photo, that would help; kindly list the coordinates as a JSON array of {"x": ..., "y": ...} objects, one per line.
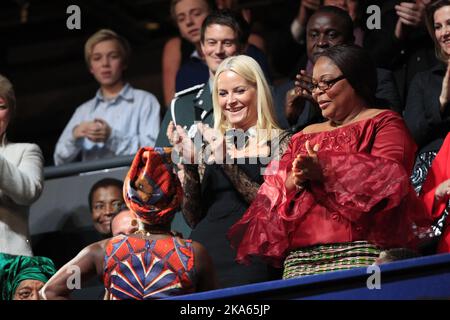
[
  {"x": 307, "y": 167},
  {"x": 303, "y": 85},
  {"x": 96, "y": 131},
  {"x": 442, "y": 191},
  {"x": 216, "y": 143},
  {"x": 444, "y": 98},
  {"x": 307, "y": 7},
  {"x": 410, "y": 14},
  {"x": 181, "y": 143}
]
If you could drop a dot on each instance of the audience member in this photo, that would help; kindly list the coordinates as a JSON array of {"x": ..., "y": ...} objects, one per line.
[
  {"x": 105, "y": 201},
  {"x": 436, "y": 192},
  {"x": 222, "y": 36},
  {"x": 22, "y": 277},
  {"x": 192, "y": 70},
  {"x": 427, "y": 111},
  {"x": 291, "y": 42},
  {"x": 217, "y": 192},
  {"x": 308, "y": 7},
  {"x": 402, "y": 43},
  {"x": 119, "y": 119},
  {"x": 195, "y": 71},
  {"x": 21, "y": 180},
  {"x": 176, "y": 266},
  {"x": 188, "y": 16},
  {"x": 125, "y": 222},
  {"x": 255, "y": 38},
  {"x": 328, "y": 26},
  {"x": 342, "y": 192}
]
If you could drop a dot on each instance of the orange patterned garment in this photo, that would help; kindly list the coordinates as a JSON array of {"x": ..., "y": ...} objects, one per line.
[{"x": 141, "y": 269}]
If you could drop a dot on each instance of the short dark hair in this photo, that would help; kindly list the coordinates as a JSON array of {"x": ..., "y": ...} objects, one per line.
[
  {"x": 345, "y": 18},
  {"x": 104, "y": 183},
  {"x": 358, "y": 68},
  {"x": 431, "y": 8},
  {"x": 231, "y": 19}
]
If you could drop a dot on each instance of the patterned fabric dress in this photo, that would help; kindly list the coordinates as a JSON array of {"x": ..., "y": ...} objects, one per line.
[
  {"x": 142, "y": 269},
  {"x": 364, "y": 203},
  {"x": 329, "y": 257}
]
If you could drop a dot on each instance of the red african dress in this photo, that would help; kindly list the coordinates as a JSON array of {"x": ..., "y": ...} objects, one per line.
[
  {"x": 365, "y": 195},
  {"x": 143, "y": 269}
]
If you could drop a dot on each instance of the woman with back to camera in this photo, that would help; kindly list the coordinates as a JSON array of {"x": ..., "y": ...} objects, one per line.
[
  {"x": 152, "y": 262},
  {"x": 342, "y": 192}
]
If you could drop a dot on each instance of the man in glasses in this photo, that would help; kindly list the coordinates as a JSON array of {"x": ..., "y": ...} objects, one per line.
[{"x": 328, "y": 26}]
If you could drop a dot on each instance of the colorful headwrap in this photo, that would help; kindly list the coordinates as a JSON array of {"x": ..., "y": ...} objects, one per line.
[
  {"x": 151, "y": 188},
  {"x": 15, "y": 269}
]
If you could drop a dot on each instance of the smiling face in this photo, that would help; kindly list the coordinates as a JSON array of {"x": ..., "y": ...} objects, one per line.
[
  {"x": 5, "y": 116},
  {"x": 189, "y": 15},
  {"x": 335, "y": 102},
  {"x": 106, "y": 201},
  {"x": 442, "y": 28},
  {"x": 220, "y": 43},
  {"x": 28, "y": 290},
  {"x": 106, "y": 63},
  {"x": 324, "y": 30},
  {"x": 238, "y": 100}
]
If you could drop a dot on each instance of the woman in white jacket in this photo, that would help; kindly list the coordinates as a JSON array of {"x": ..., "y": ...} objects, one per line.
[{"x": 21, "y": 180}]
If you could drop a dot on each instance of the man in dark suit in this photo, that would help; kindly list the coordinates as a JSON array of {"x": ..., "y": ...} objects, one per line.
[{"x": 223, "y": 34}]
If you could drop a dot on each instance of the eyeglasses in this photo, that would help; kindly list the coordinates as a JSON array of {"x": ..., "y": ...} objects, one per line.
[{"x": 325, "y": 85}]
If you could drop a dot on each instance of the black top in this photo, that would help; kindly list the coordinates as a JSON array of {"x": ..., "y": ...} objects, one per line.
[
  {"x": 422, "y": 113},
  {"x": 222, "y": 206}
]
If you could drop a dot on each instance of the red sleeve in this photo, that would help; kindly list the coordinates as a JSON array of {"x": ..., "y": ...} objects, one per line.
[
  {"x": 261, "y": 231},
  {"x": 437, "y": 174},
  {"x": 362, "y": 182},
  {"x": 393, "y": 141}
]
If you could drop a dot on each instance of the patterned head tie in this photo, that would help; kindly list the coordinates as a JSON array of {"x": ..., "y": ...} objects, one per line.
[{"x": 151, "y": 189}]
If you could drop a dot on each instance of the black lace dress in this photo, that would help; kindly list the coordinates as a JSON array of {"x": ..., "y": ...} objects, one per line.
[{"x": 213, "y": 205}]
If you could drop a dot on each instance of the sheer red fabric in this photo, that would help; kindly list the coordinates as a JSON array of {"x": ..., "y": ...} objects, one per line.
[
  {"x": 366, "y": 194},
  {"x": 438, "y": 173}
]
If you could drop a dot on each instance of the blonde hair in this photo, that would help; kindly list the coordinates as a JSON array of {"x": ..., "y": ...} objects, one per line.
[
  {"x": 173, "y": 4},
  {"x": 105, "y": 35},
  {"x": 7, "y": 93},
  {"x": 250, "y": 70}
]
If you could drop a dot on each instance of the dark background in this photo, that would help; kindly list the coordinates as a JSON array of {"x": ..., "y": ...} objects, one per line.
[{"x": 45, "y": 61}]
